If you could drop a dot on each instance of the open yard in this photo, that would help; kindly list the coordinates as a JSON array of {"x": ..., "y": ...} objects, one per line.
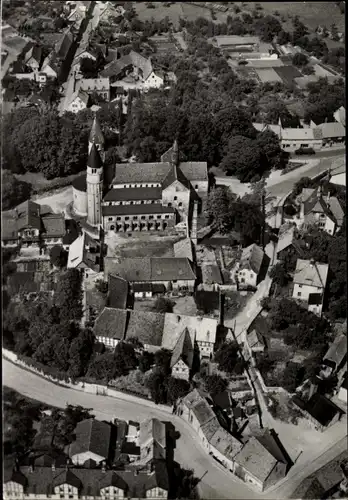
[
  {"x": 287, "y": 73},
  {"x": 182, "y": 305},
  {"x": 146, "y": 245},
  {"x": 234, "y": 303},
  {"x": 58, "y": 201},
  {"x": 174, "y": 12},
  {"x": 310, "y": 13}
]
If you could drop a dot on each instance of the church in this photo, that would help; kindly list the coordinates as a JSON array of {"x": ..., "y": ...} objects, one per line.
[{"x": 140, "y": 196}]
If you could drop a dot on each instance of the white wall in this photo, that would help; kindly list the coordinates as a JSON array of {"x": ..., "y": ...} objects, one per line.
[
  {"x": 81, "y": 458},
  {"x": 305, "y": 291}
]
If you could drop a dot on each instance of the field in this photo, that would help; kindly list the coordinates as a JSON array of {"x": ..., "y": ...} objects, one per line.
[
  {"x": 288, "y": 73},
  {"x": 174, "y": 12},
  {"x": 268, "y": 75},
  {"x": 310, "y": 13}
]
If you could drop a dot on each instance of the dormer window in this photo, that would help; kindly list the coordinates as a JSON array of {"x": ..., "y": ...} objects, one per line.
[{"x": 94, "y": 170}]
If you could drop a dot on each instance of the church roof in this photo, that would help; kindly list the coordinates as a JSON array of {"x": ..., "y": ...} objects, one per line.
[
  {"x": 173, "y": 175},
  {"x": 96, "y": 135},
  {"x": 94, "y": 160}
]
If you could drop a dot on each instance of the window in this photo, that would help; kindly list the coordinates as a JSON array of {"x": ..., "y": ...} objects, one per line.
[
  {"x": 110, "y": 218},
  {"x": 143, "y": 217},
  {"x": 169, "y": 204},
  {"x": 180, "y": 204},
  {"x": 196, "y": 186},
  {"x": 304, "y": 145},
  {"x": 300, "y": 286},
  {"x": 299, "y": 294},
  {"x": 175, "y": 197},
  {"x": 126, "y": 218},
  {"x": 118, "y": 218},
  {"x": 112, "y": 227},
  {"x": 94, "y": 170},
  {"x": 151, "y": 217},
  {"x": 158, "y": 216},
  {"x": 167, "y": 216},
  {"x": 135, "y": 217}
]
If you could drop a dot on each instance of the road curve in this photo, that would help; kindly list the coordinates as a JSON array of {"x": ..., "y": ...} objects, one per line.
[{"x": 218, "y": 483}]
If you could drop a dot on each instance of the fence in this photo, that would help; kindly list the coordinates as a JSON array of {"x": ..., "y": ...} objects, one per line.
[{"x": 84, "y": 386}]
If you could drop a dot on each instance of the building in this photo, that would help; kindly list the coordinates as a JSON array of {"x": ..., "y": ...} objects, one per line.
[
  {"x": 246, "y": 48},
  {"x": 296, "y": 138},
  {"x": 92, "y": 442},
  {"x": 171, "y": 273},
  {"x": 342, "y": 393},
  {"x": 136, "y": 71},
  {"x": 152, "y": 440},
  {"x": 32, "y": 58},
  {"x": 211, "y": 277},
  {"x": 141, "y": 196},
  {"x": 319, "y": 411},
  {"x": 63, "y": 47},
  {"x": 324, "y": 211},
  {"x": 250, "y": 266},
  {"x": 289, "y": 243},
  {"x": 77, "y": 482},
  {"x": 338, "y": 174},
  {"x": 85, "y": 254},
  {"x": 147, "y": 327},
  {"x": 79, "y": 100},
  {"x": 261, "y": 462},
  {"x": 332, "y": 133},
  {"x": 256, "y": 334},
  {"x": 336, "y": 356},
  {"x": 51, "y": 66},
  {"x": 26, "y": 226},
  {"x": 110, "y": 326},
  {"x": 309, "y": 284},
  {"x": 97, "y": 86},
  {"x": 182, "y": 356},
  {"x": 118, "y": 292}
]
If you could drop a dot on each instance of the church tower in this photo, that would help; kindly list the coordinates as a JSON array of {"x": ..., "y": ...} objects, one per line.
[
  {"x": 94, "y": 187},
  {"x": 96, "y": 137}
]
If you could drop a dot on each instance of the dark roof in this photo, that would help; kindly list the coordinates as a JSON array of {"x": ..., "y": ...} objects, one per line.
[
  {"x": 260, "y": 325},
  {"x": 53, "y": 225},
  {"x": 153, "y": 208},
  {"x": 338, "y": 350},
  {"x": 67, "y": 477},
  {"x": 96, "y": 135},
  {"x": 175, "y": 174},
  {"x": 130, "y": 448},
  {"x": 111, "y": 478},
  {"x": 111, "y": 323},
  {"x": 268, "y": 440},
  {"x": 319, "y": 407},
  {"x": 91, "y": 435},
  {"x": 173, "y": 154},
  {"x": 117, "y": 292},
  {"x": 80, "y": 183},
  {"x": 315, "y": 298},
  {"x": 252, "y": 258},
  {"x": 71, "y": 231},
  {"x": 62, "y": 47},
  {"x": 203, "y": 412},
  {"x": 94, "y": 160},
  {"x": 345, "y": 382},
  {"x": 222, "y": 400},
  {"x": 151, "y": 268},
  {"x": 147, "y": 327},
  {"x": 183, "y": 349},
  {"x": 149, "y": 193}
]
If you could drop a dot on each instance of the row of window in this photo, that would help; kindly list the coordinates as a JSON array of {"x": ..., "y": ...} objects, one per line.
[{"x": 142, "y": 217}]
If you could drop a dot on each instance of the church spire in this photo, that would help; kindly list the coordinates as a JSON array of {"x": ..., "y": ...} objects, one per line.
[{"x": 96, "y": 135}]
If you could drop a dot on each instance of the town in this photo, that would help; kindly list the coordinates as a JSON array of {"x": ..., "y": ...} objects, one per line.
[{"x": 174, "y": 250}]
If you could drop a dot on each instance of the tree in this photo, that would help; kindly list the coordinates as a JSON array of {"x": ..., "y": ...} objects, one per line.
[
  {"x": 135, "y": 343},
  {"x": 215, "y": 384},
  {"x": 68, "y": 296},
  {"x": 334, "y": 32},
  {"x": 162, "y": 361},
  {"x": 279, "y": 274},
  {"x": 58, "y": 256},
  {"x": 80, "y": 353},
  {"x": 102, "y": 287},
  {"x": 243, "y": 158},
  {"x": 300, "y": 59},
  {"x": 14, "y": 191},
  {"x": 267, "y": 27},
  {"x": 103, "y": 367},
  {"x": 226, "y": 356},
  {"x": 269, "y": 145},
  {"x": 163, "y": 305},
  {"x": 292, "y": 376},
  {"x": 125, "y": 359},
  {"x": 146, "y": 360},
  {"x": 283, "y": 37},
  {"x": 66, "y": 422},
  {"x": 156, "y": 384},
  {"x": 89, "y": 68},
  {"x": 177, "y": 388},
  {"x": 308, "y": 70}
]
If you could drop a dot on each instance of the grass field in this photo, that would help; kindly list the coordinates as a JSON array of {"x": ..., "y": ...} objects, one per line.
[
  {"x": 174, "y": 12},
  {"x": 288, "y": 73},
  {"x": 310, "y": 13}
]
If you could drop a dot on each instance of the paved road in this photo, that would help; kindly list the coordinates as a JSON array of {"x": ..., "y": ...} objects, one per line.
[{"x": 321, "y": 154}]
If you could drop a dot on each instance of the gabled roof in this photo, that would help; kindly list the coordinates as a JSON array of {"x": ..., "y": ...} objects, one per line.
[
  {"x": 94, "y": 160},
  {"x": 296, "y": 134},
  {"x": 34, "y": 52},
  {"x": 111, "y": 478},
  {"x": 332, "y": 130},
  {"x": 173, "y": 153},
  {"x": 62, "y": 47},
  {"x": 53, "y": 225},
  {"x": 201, "y": 329},
  {"x": 117, "y": 292},
  {"x": 183, "y": 248},
  {"x": 94, "y": 84},
  {"x": 96, "y": 134},
  {"x": 71, "y": 231},
  {"x": 67, "y": 477},
  {"x": 134, "y": 59},
  {"x": 337, "y": 351},
  {"x": 91, "y": 435},
  {"x": 80, "y": 252},
  {"x": 310, "y": 273},
  {"x": 183, "y": 350},
  {"x": 28, "y": 215},
  {"x": 150, "y": 268},
  {"x": 134, "y": 194},
  {"x": 335, "y": 209},
  {"x": 174, "y": 175},
  {"x": 111, "y": 323},
  {"x": 152, "y": 429},
  {"x": 252, "y": 257},
  {"x": 80, "y": 94},
  {"x": 286, "y": 239},
  {"x": 225, "y": 443},
  {"x": 211, "y": 274},
  {"x": 322, "y": 409}
]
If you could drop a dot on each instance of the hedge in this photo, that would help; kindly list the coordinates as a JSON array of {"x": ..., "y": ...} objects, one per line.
[{"x": 46, "y": 370}]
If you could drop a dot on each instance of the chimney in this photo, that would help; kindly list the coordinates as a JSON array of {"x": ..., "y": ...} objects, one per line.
[
  {"x": 16, "y": 213},
  {"x": 53, "y": 466},
  {"x": 103, "y": 466},
  {"x": 319, "y": 192}
]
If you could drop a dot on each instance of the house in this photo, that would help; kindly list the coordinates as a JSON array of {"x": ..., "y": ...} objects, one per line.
[
  {"x": 85, "y": 254},
  {"x": 255, "y": 336},
  {"x": 224, "y": 447},
  {"x": 136, "y": 66},
  {"x": 202, "y": 332},
  {"x": 319, "y": 411},
  {"x": 77, "y": 482},
  {"x": 152, "y": 440},
  {"x": 290, "y": 244},
  {"x": 99, "y": 86},
  {"x": 342, "y": 393},
  {"x": 92, "y": 442},
  {"x": 340, "y": 115},
  {"x": 332, "y": 133},
  {"x": 250, "y": 266},
  {"x": 245, "y": 47},
  {"x": 296, "y": 138},
  {"x": 173, "y": 273},
  {"x": 324, "y": 211},
  {"x": 71, "y": 233},
  {"x": 110, "y": 326},
  {"x": 51, "y": 66},
  {"x": 261, "y": 462},
  {"x": 32, "y": 58},
  {"x": 336, "y": 356},
  {"x": 183, "y": 249},
  {"x": 118, "y": 291},
  {"x": 63, "y": 46},
  {"x": 79, "y": 100},
  {"x": 147, "y": 327},
  {"x": 211, "y": 277},
  {"x": 182, "y": 356},
  {"x": 26, "y": 227},
  {"x": 310, "y": 279}
]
